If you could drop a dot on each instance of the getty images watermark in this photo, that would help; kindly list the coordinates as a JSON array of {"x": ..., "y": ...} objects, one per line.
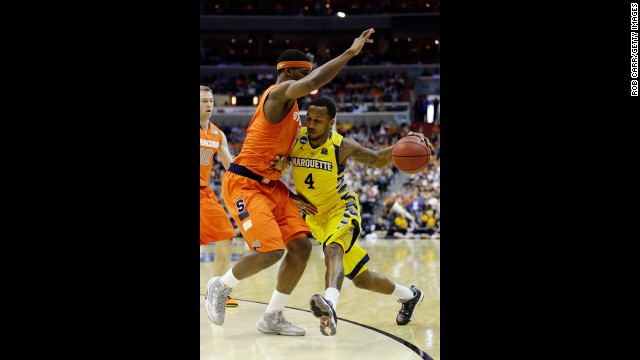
[{"x": 634, "y": 49}]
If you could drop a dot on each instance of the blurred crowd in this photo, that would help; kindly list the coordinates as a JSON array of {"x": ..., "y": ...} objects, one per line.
[
  {"x": 419, "y": 198},
  {"x": 350, "y": 91},
  {"x": 419, "y": 51},
  {"x": 317, "y": 7}
]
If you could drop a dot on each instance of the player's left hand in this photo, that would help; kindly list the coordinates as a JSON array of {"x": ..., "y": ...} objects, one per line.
[
  {"x": 303, "y": 204},
  {"x": 281, "y": 163},
  {"x": 425, "y": 139}
]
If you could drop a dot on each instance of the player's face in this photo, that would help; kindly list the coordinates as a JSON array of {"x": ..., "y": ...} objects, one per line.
[
  {"x": 318, "y": 122},
  {"x": 206, "y": 104},
  {"x": 298, "y": 73}
]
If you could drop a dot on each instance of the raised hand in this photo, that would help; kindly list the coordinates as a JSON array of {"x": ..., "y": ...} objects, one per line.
[{"x": 359, "y": 42}]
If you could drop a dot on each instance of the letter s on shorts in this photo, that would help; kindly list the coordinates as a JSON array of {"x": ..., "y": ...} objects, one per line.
[{"x": 240, "y": 205}]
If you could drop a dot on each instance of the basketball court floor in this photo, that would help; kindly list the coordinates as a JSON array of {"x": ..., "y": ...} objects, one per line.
[{"x": 366, "y": 321}]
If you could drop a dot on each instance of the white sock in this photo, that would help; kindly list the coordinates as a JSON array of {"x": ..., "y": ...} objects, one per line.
[
  {"x": 229, "y": 280},
  {"x": 332, "y": 294},
  {"x": 403, "y": 292},
  {"x": 277, "y": 301}
]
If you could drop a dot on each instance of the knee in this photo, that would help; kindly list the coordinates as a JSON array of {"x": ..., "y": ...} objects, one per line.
[
  {"x": 271, "y": 257},
  {"x": 305, "y": 247},
  {"x": 333, "y": 250},
  {"x": 224, "y": 246},
  {"x": 300, "y": 248},
  {"x": 362, "y": 282}
]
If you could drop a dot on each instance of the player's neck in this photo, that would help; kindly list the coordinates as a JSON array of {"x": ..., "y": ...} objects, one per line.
[
  {"x": 204, "y": 124},
  {"x": 317, "y": 143}
]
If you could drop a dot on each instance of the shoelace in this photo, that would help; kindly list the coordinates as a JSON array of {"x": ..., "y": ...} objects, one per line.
[
  {"x": 222, "y": 299},
  {"x": 406, "y": 310},
  {"x": 406, "y": 306},
  {"x": 281, "y": 320}
]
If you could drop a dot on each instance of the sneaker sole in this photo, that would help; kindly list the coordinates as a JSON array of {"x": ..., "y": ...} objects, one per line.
[
  {"x": 265, "y": 330},
  {"x": 322, "y": 311}
]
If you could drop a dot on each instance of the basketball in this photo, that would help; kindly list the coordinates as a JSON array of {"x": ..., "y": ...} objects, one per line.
[{"x": 411, "y": 155}]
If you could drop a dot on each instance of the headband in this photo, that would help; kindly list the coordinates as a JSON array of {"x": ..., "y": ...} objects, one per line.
[{"x": 294, "y": 64}]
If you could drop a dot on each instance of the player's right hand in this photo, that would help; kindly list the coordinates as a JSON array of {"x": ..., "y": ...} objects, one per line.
[
  {"x": 281, "y": 163},
  {"x": 425, "y": 139},
  {"x": 359, "y": 42}
]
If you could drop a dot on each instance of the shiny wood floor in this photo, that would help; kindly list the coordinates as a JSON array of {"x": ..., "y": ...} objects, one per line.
[{"x": 366, "y": 320}]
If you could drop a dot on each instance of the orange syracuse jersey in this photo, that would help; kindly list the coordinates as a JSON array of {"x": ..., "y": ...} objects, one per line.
[
  {"x": 265, "y": 141},
  {"x": 210, "y": 141}
]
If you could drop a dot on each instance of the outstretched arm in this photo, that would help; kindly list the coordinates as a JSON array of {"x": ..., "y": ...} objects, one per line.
[
  {"x": 352, "y": 149},
  {"x": 296, "y": 89}
]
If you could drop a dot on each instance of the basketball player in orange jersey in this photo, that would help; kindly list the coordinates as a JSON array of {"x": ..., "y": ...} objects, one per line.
[
  {"x": 268, "y": 219},
  {"x": 214, "y": 222},
  {"x": 318, "y": 161}
]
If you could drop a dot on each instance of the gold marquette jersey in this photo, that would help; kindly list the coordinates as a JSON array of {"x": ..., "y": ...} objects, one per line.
[{"x": 316, "y": 173}]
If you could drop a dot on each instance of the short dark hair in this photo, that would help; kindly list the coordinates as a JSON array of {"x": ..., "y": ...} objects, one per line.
[
  {"x": 324, "y": 102},
  {"x": 292, "y": 55}
]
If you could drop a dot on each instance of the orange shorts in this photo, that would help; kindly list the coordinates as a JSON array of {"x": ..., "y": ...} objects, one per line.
[
  {"x": 266, "y": 216},
  {"x": 214, "y": 222}
]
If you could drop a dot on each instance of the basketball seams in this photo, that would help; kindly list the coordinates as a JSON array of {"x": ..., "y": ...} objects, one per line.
[{"x": 406, "y": 145}]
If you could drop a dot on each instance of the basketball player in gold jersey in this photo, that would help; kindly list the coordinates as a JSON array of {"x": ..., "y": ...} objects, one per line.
[{"x": 332, "y": 212}]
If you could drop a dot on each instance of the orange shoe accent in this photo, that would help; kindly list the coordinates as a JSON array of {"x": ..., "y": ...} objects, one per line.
[{"x": 231, "y": 302}]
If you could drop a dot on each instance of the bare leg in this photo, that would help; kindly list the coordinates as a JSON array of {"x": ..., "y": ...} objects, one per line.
[
  {"x": 324, "y": 308},
  {"x": 375, "y": 282},
  {"x": 252, "y": 262},
  {"x": 334, "y": 274},
  {"x": 293, "y": 265},
  {"x": 223, "y": 257}
]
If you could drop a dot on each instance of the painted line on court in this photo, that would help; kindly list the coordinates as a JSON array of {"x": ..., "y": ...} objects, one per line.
[{"x": 404, "y": 342}]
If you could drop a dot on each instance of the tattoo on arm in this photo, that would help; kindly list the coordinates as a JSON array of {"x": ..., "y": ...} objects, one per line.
[{"x": 352, "y": 149}]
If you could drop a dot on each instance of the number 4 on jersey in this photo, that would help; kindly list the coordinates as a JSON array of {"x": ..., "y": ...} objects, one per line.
[{"x": 309, "y": 181}]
